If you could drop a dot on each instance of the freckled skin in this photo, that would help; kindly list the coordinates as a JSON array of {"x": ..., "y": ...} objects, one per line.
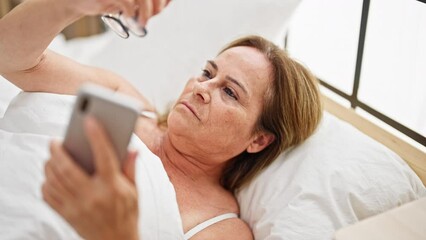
[{"x": 222, "y": 127}]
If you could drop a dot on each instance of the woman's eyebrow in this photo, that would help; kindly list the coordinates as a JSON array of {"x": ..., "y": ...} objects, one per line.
[
  {"x": 236, "y": 82},
  {"x": 229, "y": 78},
  {"x": 214, "y": 65}
]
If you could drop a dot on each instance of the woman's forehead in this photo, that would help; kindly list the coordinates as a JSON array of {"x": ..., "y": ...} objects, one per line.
[
  {"x": 250, "y": 54},
  {"x": 246, "y": 62}
]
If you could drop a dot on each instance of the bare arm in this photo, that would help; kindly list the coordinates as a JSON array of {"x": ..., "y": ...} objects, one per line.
[
  {"x": 27, "y": 31},
  {"x": 55, "y": 73},
  {"x": 25, "y": 34}
]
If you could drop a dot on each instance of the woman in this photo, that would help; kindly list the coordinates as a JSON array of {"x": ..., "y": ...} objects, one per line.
[{"x": 248, "y": 105}]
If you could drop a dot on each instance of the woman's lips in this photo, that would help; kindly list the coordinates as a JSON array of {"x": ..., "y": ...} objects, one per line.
[{"x": 191, "y": 108}]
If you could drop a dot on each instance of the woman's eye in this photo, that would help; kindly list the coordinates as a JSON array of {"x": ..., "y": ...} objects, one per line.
[
  {"x": 206, "y": 74},
  {"x": 230, "y": 93}
]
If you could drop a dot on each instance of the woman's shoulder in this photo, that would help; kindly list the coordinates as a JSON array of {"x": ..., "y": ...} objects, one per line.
[{"x": 231, "y": 228}]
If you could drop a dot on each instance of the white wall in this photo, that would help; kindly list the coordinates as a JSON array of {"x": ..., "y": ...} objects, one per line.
[{"x": 324, "y": 35}]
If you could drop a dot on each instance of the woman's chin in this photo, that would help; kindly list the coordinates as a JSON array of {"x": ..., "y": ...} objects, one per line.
[{"x": 179, "y": 122}]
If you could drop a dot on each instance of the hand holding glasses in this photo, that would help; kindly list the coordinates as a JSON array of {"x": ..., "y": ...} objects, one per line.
[{"x": 122, "y": 25}]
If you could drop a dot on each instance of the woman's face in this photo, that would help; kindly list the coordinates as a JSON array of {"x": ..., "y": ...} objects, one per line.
[{"x": 218, "y": 110}]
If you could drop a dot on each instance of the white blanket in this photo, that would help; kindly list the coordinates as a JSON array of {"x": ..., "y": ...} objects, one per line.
[{"x": 28, "y": 125}]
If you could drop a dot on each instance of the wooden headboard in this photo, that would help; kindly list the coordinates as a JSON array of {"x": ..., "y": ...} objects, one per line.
[{"x": 415, "y": 158}]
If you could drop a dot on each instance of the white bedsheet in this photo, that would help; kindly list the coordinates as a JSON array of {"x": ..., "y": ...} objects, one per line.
[{"x": 25, "y": 131}]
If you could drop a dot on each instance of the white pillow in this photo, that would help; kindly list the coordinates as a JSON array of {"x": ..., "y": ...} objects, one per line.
[
  {"x": 8, "y": 91},
  {"x": 335, "y": 178}
]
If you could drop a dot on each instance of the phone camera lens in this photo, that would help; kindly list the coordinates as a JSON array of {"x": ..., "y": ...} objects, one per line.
[{"x": 84, "y": 105}]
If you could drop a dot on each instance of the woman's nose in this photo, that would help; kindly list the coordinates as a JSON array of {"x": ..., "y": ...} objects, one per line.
[{"x": 201, "y": 91}]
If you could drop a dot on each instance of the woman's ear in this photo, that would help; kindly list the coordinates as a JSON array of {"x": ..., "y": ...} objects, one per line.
[{"x": 260, "y": 142}]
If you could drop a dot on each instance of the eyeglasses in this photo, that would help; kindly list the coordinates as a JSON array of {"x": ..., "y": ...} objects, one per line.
[{"x": 122, "y": 25}]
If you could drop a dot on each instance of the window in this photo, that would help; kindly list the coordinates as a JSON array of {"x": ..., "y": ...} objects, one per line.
[{"x": 371, "y": 53}]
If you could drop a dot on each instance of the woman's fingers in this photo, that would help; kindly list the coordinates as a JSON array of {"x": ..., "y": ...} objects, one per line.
[
  {"x": 159, "y": 5},
  {"x": 105, "y": 158},
  {"x": 71, "y": 176},
  {"x": 51, "y": 196},
  {"x": 145, "y": 11},
  {"x": 112, "y": 9},
  {"x": 127, "y": 7},
  {"x": 56, "y": 182},
  {"x": 129, "y": 167},
  {"x": 150, "y": 8}
]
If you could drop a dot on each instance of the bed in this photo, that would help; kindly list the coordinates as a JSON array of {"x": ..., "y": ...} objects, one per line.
[{"x": 347, "y": 171}]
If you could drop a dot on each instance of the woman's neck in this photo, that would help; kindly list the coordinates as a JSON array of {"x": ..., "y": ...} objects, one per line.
[{"x": 186, "y": 166}]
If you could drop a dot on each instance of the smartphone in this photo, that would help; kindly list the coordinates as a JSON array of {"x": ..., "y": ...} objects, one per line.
[{"x": 116, "y": 112}]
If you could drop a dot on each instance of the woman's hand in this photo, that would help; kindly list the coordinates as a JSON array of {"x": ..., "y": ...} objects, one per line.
[
  {"x": 101, "y": 206},
  {"x": 149, "y": 8},
  {"x": 144, "y": 9}
]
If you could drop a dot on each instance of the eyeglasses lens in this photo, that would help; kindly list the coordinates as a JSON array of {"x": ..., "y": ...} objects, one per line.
[
  {"x": 132, "y": 24},
  {"x": 112, "y": 20}
]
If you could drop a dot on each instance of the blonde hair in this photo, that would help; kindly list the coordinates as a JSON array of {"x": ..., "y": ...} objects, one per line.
[{"x": 292, "y": 110}]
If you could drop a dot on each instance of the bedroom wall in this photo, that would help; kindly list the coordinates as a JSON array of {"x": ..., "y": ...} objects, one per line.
[{"x": 324, "y": 35}]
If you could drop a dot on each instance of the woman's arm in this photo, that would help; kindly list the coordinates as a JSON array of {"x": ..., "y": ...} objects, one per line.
[
  {"x": 58, "y": 74},
  {"x": 28, "y": 29}
]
